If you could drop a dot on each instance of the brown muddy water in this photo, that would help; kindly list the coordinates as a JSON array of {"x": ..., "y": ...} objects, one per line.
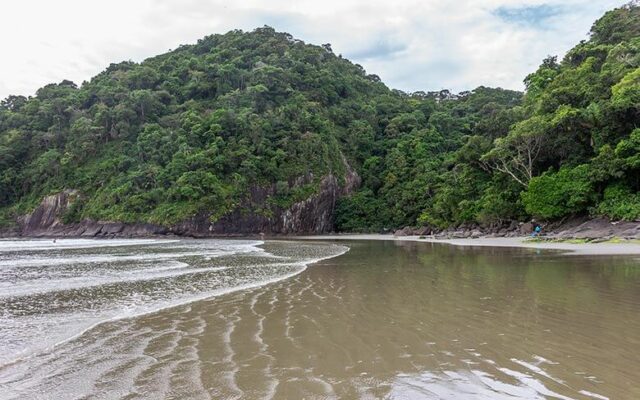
[{"x": 222, "y": 319}]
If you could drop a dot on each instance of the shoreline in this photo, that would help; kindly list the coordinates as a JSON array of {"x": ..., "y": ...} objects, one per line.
[
  {"x": 169, "y": 304},
  {"x": 625, "y": 248},
  {"x": 603, "y": 248}
]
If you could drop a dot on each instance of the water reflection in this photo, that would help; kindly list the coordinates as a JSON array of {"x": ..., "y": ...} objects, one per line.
[{"x": 385, "y": 320}]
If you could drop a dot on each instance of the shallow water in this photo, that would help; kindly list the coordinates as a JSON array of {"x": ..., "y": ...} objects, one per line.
[{"x": 384, "y": 320}]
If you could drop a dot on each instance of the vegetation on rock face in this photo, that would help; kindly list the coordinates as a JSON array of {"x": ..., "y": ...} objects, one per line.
[
  {"x": 190, "y": 131},
  {"x": 194, "y": 130}
]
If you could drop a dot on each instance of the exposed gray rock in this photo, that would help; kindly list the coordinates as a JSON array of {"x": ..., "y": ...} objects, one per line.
[
  {"x": 423, "y": 231},
  {"x": 526, "y": 228},
  {"x": 597, "y": 228},
  {"x": 406, "y": 231},
  {"x": 91, "y": 229},
  {"x": 312, "y": 215},
  {"x": 594, "y": 229},
  {"x": 47, "y": 216},
  {"x": 459, "y": 234},
  {"x": 111, "y": 228}
]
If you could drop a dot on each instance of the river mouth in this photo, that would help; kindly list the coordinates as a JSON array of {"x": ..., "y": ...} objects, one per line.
[{"x": 383, "y": 320}]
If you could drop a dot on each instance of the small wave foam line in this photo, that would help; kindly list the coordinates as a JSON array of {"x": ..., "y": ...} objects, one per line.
[
  {"x": 66, "y": 244},
  {"x": 62, "y": 285},
  {"x": 91, "y": 259},
  {"x": 140, "y": 311}
]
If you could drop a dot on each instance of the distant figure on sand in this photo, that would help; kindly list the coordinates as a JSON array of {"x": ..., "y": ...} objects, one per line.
[{"x": 536, "y": 228}]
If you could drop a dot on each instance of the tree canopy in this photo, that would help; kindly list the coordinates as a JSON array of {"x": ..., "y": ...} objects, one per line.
[{"x": 195, "y": 129}]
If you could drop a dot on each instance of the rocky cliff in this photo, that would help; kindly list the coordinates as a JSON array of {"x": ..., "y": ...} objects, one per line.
[{"x": 312, "y": 215}]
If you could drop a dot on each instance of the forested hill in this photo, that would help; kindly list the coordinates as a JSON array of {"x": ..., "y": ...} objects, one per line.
[
  {"x": 571, "y": 147},
  {"x": 264, "y": 129},
  {"x": 198, "y": 130}
]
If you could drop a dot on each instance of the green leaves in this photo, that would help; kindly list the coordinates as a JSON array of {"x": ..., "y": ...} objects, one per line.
[
  {"x": 199, "y": 186},
  {"x": 626, "y": 93},
  {"x": 617, "y": 25},
  {"x": 620, "y": 203},
  {"x": 198, "y": 129},
  {"x": 628, "y": 150},
  {"x": 556, "y": 195}
]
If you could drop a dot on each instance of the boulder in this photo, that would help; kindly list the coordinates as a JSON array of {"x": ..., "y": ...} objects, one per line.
[
  {"x": 111, "y": 228},
  {"x": 526, "y": 228},
  {"x": 425, "y": 230},
  {"x": 406, "y": 231},
  {"x": 91, "y": 229}
]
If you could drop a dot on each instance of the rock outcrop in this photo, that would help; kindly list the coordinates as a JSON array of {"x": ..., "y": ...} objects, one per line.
[
  {"x": 48, "y": 215},
  {"x": 312, "y": 215},
  {"x": 46, "y": 220},
  {"x": 590, "y": 229},
  {"x": 597, "y": 229}
]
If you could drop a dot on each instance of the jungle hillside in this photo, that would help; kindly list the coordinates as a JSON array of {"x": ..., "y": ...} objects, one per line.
[{"x": 198, "y": 130}]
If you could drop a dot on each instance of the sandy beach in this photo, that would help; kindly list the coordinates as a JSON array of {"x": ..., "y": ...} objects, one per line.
[
  {"x": 383, "y": 317},
  {"x": 608, "y": 249}
]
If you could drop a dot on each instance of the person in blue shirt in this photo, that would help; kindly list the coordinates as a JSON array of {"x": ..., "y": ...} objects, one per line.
[{"x": 536, "y": 229}]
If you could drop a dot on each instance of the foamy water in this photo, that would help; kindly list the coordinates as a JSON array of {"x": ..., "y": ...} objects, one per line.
[
  {"x": 168, "y": 320},
  {"x": 51, "y": 292}
]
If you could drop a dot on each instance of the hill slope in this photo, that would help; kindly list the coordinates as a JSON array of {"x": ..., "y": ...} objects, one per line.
[
  {"x": 259, "y": 132},
  {"x": 238, "y": 124},
  {"x": 570, "y": 148}
]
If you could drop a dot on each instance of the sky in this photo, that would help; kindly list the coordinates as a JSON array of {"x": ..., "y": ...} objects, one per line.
[{"x": 411, "y": 44}]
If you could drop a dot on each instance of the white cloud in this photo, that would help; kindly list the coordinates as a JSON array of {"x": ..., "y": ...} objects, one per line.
[{"x": 411, "y": 44}]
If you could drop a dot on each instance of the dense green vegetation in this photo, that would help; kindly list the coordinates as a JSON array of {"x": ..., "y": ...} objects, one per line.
[
  {"x": 570, "y": 147},
  {"x": 191, "y": 130},
  {"x": 195, "y": 129}
]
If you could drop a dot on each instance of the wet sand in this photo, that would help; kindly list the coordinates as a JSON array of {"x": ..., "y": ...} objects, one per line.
[
  {"x": 608, "y": 249},
  {"x": 388, "y": 319}
]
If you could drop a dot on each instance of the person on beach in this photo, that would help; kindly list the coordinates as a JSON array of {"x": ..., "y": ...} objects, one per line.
[{"x": 536, "y": 228}]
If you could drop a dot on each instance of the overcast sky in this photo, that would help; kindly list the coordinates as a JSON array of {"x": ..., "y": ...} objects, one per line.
[{"x": 411, "y": 44}]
